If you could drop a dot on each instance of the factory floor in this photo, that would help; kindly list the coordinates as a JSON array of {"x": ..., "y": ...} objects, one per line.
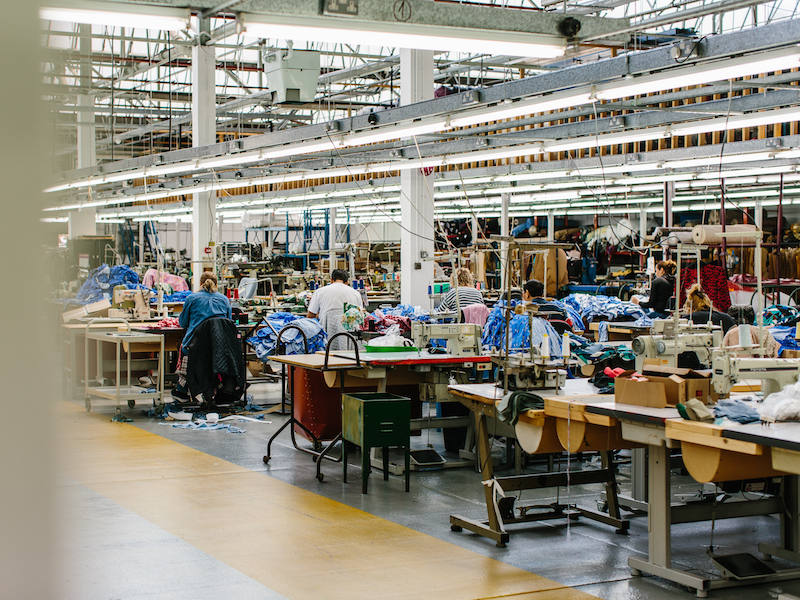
[{"x": 152, "y": 511}]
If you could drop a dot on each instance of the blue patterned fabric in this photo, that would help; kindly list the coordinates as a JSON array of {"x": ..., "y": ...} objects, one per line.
[
  {"x": 785, "y": 337},
  {"x": 494, "y": 331},
  {"x": 266, "y": 339},
  {"x": 608, "y": 307},
  {"x": 101, "y": 282}
]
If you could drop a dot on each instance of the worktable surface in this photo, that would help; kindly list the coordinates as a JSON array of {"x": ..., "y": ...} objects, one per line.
[
  {"x": 409, "y": 358},
  {"x": 633, "y": 412},
  {"x": 490, "y": 392},
  {"x": 314, "y": 361},
  {"x": 776, "y": 435}
]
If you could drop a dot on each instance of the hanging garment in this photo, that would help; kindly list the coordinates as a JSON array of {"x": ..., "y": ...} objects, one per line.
[
  {"x": 476, "y": 313},
  {"x": 215, "y": 367}
]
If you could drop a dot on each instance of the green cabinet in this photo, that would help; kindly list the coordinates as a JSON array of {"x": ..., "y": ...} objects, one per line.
[{"x": 375, "y": 420}]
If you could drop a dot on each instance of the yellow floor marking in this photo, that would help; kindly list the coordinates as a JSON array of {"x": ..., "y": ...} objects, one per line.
[{"x": 293, "y": 541}]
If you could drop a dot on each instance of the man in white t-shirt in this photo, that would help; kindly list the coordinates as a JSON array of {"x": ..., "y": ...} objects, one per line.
[{"x": 328, "y": 302}]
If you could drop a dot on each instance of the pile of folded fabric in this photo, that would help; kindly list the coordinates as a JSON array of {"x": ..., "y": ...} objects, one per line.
[{"x": 265, "y": 341}]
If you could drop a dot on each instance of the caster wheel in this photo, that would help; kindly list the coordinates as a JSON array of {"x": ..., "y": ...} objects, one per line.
[
  {"x": 321, "y": 477},
  {"x": 266, "y": 460},
  {"x": 456, "y": 528},
  {"x": 317, "y": 447},
  {"x": 131, "y": 403}
]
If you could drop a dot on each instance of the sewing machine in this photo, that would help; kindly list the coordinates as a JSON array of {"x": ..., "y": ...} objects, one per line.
[
  {"x": 531, "y": 371},
  {"x": 667, "y": 342},
  {"x": 463, "y": 339},
  {"x": 775, "y": 373}
]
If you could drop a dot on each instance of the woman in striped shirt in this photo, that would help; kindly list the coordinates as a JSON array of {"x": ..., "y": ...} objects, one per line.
[{"x": 465, "y": 292}]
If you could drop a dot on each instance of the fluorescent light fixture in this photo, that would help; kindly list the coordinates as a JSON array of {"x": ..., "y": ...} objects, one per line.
[
  {"x": 702, "y": 73},
  {"x": 55, "y": 220},
  {"x": 403, "y": 35},
  {"x": 116, "y": 14}
]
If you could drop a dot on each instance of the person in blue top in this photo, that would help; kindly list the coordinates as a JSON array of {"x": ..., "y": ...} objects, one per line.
[
  {"x": 202, "y": 305},
  {"x": 198, "y": 307}
]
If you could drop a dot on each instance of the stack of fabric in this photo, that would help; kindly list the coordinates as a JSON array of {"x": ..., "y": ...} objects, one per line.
[
  {"x": 265, "y": 341},
  {"x": 589, "y": 308},
  {"x": 780, "y": 314},
  {"x": 101, "y": 282},
  {"x": 174, "y": 297}
]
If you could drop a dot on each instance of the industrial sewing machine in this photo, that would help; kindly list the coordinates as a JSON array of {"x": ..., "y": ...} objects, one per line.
[
  {"x": 532, "y": 371},
  {"x": 463, "y": 339},
  {"x": 668, "y": 340},
  {"x": 774, "y": 373}
]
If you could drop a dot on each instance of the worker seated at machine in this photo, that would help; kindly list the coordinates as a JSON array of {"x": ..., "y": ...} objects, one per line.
[
  {"x": 327, "y": 303},
  {"x": 661, "y": 290},
  {"x": 462, "y": 294},
  {"x": 533, "y": 293},
  {"x": 211, "y": 366},
  {"x": 699, "y": 309}
]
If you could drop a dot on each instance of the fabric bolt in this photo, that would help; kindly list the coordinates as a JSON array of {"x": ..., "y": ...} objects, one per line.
[
  {"x": 199, "y": 307},
  {"x": 714, "y": 282},
  {"x": 460, "y": 297},
  {"x": 265, "y": 341}
]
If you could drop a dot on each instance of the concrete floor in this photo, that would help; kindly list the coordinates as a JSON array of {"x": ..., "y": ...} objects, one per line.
[{"x": 588, "y": 556}]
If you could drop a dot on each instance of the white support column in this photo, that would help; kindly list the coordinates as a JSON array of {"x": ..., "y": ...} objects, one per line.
[
  {"x": 669, "y": 195},
  {"x": 551, "y": 226},
  {"x": 82, "y": 222},
  {"x": 204, "y": 205},
  {"x": 474, "y": 229},
  {"x": 332, "y": 239},
  {"x": 642, "y": 225},
  {"x": 416, "y": 190},
  {"x": 759, "y": 214},
  {"x": 504, "y": 232}
]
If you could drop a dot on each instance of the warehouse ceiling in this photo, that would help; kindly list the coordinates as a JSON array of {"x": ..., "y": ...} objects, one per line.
[{"x": 499, "y": 116}]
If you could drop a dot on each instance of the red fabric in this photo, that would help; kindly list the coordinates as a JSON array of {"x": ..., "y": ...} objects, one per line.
[{"x": 713, "y": 282}]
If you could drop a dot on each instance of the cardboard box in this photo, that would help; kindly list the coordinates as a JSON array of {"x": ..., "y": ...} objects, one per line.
[{"x": 665, "y": 386}]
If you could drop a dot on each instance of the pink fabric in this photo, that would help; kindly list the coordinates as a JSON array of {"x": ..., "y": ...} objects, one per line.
[
  {"x": 476, "y": 313},
  {"x": 177, "y": 283}
]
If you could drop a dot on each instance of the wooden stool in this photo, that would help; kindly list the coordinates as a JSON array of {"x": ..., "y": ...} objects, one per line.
[{"x": 376, "y": 420}]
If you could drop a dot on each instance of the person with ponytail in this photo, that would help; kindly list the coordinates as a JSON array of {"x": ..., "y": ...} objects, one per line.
[
  {"x": 661, "y": 290},
  {"x": 202, "y": 305}
]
